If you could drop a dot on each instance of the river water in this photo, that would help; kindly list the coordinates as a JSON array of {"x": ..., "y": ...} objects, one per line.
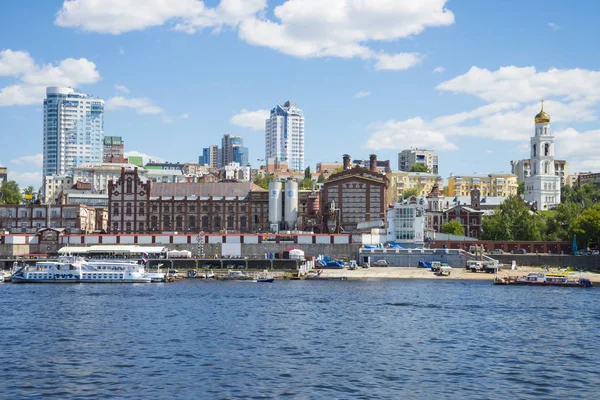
[{"x": 377, "y": 339}]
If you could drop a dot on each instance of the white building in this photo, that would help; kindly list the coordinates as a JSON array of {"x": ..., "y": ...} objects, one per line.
[
  {"x": 408, "y": 158},
  {"x": 73, "y": 130},
  {"x": 99, "y": 174},
  {"x": 522, "y": 169},
  {"x": 407, "y": 221},
  {"x": 543, "y": 185},
  {"x": 235, "y": 171},
  {"x": 284, "y": 135},
  {"x": 53, "y": 185}
]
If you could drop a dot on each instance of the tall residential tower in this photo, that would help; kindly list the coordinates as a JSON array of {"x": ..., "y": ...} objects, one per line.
[
  {"x": 73, "y": 130},
  {"x": 284, "y": 136}
]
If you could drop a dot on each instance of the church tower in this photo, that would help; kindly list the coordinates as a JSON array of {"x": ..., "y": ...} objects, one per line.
[{"x": 543, "y": 185}]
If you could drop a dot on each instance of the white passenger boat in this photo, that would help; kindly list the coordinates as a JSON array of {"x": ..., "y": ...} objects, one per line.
[{"x": 78, "y": 270}]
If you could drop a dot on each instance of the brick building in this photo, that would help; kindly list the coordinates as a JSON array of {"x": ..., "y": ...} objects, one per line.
[{"x": 354, "y": 196}]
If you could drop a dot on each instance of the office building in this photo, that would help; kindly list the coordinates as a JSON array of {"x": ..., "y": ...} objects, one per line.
[
  {"x": 211, "y": 156},
  {"x": 284, "y": 135},
  {"x": 428, "y": 158},
  {"x": 73, "y": 130}
]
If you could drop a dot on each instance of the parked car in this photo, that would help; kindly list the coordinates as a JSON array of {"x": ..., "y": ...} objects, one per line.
[
  {"x": 519, "y": 251},
  {"x": 497, "y": 251},
  {"x": 596, "y": 252},
  {"x": 380, "y": 263}
]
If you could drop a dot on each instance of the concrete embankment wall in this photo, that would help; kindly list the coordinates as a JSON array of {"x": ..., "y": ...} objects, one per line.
[
  {"x": 455, "y": 260},
  {"x": 589, "y": 263}
]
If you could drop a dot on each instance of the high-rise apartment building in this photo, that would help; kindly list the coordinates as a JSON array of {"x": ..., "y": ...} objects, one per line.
[
  {"x": 284, "y": 135},
  {"x": 408, "y": 158},
  {"x": 73, "y": 130},
  {"x": 114, "y": 150},
  {"x": 211, "y": 156}
]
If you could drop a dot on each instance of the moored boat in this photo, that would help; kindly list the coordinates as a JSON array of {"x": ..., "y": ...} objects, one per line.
[
  {"x": 78, "y": 270},
  {"x": 545, "y": 279}
]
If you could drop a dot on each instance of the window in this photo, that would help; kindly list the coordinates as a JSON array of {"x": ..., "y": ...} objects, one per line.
[
  {"x": 154, "y": 222},
  {"x": 547, "y": 149},
  {"x": 205, "y": 222},
  {"x": 217, "y": 222},
  {"x": 154, "y": 208},
  {"x": 141, "y": 212},
  {"x": 192, "y": 222},
  {"x": 116, "y": 209},
  {"x": 141, "y": 227},
  {"x": 243, "y": 222},
  {"x": 128, "y": 212},
  {"x": 534, "y": 150},
  {"x": 204, "y": 208},
  {"x": 129, "y": 186},
  {"x": 166, "y": 208},
  {"x": 192, "y": 208},
  {"x": 179, "y": 208},
  {"x": 230, "y": 222},
  {"x": 179, "y": 222},
  {"x": 166, "y": 222},
  {"x": 128, "y": 227},
  {"x": 115, "y": 227},
  {"x": 230, "y": 209}
]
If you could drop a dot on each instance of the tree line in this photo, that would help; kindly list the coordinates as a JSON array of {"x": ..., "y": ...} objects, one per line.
[{"x": 578, "y": 215}]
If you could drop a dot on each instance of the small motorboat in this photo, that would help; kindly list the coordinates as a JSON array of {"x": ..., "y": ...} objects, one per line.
[{"x": 266, "y": 279}]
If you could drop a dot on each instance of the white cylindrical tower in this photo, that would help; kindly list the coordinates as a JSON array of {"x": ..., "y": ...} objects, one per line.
[
  {"x": 291, "y": 204},
  {"x": 275, "y": 204}
]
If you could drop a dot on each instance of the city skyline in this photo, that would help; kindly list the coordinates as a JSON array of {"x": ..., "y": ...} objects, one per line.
[{"x": 462, "y": 80}]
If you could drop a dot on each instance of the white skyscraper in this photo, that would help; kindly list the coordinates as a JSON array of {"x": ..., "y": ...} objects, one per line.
[
  {"x": 543, "y": 185},
  {"x": 284, "y": 135},
  {"x": 73, "y": 130}
]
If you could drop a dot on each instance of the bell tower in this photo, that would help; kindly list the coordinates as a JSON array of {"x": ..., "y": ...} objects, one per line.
[{"x": 542, "y": 186}]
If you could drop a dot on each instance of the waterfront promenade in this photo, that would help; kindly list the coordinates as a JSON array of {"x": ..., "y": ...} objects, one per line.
[{"x": 424, "y": 273}]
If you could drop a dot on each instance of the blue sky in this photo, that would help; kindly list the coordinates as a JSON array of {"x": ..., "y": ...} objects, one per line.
[{"x": 461, "y": 77}]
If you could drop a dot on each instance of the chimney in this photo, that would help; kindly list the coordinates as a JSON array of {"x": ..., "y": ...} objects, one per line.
[
  {"x": 346, "y": 162},
  {"x": 373, "y": 162}
]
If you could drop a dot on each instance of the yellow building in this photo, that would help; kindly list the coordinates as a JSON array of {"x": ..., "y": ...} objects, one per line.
[
  {"x": 502, "y": 184},
  {"x": 402, "y": 180}
]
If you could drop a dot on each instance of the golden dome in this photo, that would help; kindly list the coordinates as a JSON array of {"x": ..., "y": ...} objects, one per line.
[{"x": 542, "y": 116}]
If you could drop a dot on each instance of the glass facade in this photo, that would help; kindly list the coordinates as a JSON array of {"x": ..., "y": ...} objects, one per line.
[{"x": 240, "y": 156}]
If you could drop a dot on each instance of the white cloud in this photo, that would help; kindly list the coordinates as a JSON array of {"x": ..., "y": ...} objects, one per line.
[
  {"x": 554, "y": 26},
  {"x": 439, "y": 70},
  {"x": 35, "y": 160},
  {"x": 145, "y": 157},
  {"x": 142, "y": 105},
  {"x": 32, "y": 79},
  {"x": 414, "y": 132},
  {"x": 166, "y": 119},
  {"x": 121, "y": 51},
  {"x": 362, "y": 93},
  {"x": 511, "y": 96},
  {"x": 397, "y": 62},
  {"x": 489, "y": 151},
  {"x": 251, "y": 119},
  {"x": 184, "y": 116},
  {"x": 303, "y": 28},
  {"x": 25, "y": 179},
  {"x": 121, "y": 88}
]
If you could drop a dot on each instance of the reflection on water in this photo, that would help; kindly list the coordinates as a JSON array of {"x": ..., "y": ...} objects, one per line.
[{"x": 299, "y": 339}]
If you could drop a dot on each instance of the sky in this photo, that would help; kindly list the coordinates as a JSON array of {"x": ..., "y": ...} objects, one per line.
[{"x": 462, "y": 77}]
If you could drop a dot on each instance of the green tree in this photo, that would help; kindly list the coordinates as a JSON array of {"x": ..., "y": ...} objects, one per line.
[
  {"x": 307, "y": 174},
  {"x": 453, "y": 227},
  {"x": 521, "y": 188},
  {"x": 419, "y": 168},
  {"x": 321, "y": 178},
  {"x": 512, "y": 220},
  {"x": 263, "y": 180},
  {"x": 587, "y": 227},
  {"x": 410, "y": 192},
  {"x": 10, "y": 193}
]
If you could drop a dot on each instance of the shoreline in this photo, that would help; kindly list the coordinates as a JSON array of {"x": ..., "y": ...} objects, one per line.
[{"x": 424, "y": 273}]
